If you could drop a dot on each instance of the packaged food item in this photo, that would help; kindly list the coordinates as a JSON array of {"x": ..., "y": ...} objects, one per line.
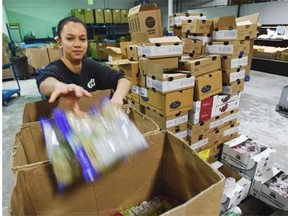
[
  {"x": 66, "y": 167},
  {"x": 97, "y": 140}
]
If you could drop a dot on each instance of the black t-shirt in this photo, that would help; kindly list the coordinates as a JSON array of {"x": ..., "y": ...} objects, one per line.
[{"x": 92, "y": 77}]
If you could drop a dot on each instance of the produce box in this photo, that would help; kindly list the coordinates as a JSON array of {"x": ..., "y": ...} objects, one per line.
[{"x": 168, "y": 167}]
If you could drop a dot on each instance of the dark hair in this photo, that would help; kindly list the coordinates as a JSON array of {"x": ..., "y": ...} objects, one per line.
[{"x": 63, "y": 22}]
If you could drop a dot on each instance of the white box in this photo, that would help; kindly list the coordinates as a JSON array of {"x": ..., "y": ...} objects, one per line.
[
  {"x": 248, "y": 166},
  {"x": 225, "y": 107},
  {"x": 239, "y": 193},
  {"x": 262, "y": 192}
]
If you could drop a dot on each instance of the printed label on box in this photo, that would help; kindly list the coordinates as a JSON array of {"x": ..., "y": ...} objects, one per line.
[
  {"x": 231, "y": 117},
  {"x": 204, "y": 39},
  {"x": 178, "y": 19},
  {"x": 225, "y": 34},
  {"x": 135, "y": 89},
  {"x": 143, "y": 92},
  {"x": 177, "y": 121},
  {"x": 221, "y": 49},
  {"x": 217, "y": 123},
  {"x": 182, "y": 134},
  {"x": 164, "y": 86},
  {"x": 151, "y": 51},
  {"x": 231, "y": 130},
  {"x": 199, "y": 143},
  {"x": 237, "y": 75},
  {"x": 236, "y": 62}
]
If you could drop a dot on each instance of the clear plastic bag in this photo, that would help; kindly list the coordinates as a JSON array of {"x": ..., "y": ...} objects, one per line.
[{"x": 66, "y": 167}]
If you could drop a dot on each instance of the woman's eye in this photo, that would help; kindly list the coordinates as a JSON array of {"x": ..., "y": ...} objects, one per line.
[
  {"x": 69, "y": 39},
  {"x": 83, "y": 39}
]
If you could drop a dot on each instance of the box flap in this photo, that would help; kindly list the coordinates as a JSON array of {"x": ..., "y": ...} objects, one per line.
[
  {"x": 253, "y": 18},
  {"x": 166, "y": 39},
  {"x": 134, "y": 10},
  {"x": 224, "y": 22},
  {"x": 112, "y": 51},
  {"x": 120, "y": 62}
]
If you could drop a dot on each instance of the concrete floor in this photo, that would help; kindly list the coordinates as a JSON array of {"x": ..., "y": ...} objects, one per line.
[{"x": 258, "y": 120}]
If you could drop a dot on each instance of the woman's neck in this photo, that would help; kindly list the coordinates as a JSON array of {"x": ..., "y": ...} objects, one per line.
[{"x": 74, "y": 66}]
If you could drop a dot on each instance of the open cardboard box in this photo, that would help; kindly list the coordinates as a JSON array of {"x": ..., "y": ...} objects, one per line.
[{"x": 169, "y": 167}]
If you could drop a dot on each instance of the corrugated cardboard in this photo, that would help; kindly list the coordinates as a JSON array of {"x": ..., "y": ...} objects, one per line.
[
  {"x": 169, "y": 167},
  {"x": 192, "y": 46},
  {"x": 197, "y": 26},
  {"x": 231, "y": 47},
  {"x": 228, "y": 62},
  {"x": 134, "y": 94},
  {"x": 54, "y": 53},
  {"x": 37, "y": 57},
  {"x": 123, "y": 46},
  {"x": 176, "y": 19},
  {"x": 89, "y": 16},
  {"x": 233, "y": 75},
  {"x": 108, "y": 16},
  {"x": 205, "y": 38},
  {"x": 99, "y": 16},
  {"x": 116, "y": 16},
  {"x": 225, "y": 28},
  {"x": 132, "y": 52},
  {"x": 203, "y": 65},
  {"x": 124, "y": 16},
  {"x": 145, "y": 19},
  {"x": 130, "y": 69},
  {"x": 207, "y": 85},
  {"x": 168, "y": 104},
  {"x": 235, "y": 87},
  {"x": 247, "y": 26},
  {"x": 114, "y": 53},
  {"x": 160, "y": 47}
]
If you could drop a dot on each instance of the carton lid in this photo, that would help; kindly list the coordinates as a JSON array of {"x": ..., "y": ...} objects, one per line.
[
  {"x": 224, "y": 22},
  {"x": 143, "y": 37},
  {"x": 122, "y": 62},
  {"x": 252, "y": 18},
  {"x": 112, "y": 51},
  {"x": 134, "y": 10}
]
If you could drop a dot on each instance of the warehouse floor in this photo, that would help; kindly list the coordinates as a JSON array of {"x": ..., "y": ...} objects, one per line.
[{"x": 258, "y": 120}]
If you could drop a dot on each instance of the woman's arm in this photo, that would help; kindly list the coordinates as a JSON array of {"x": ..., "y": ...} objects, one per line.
[
  {"x": 71, "y": 93},
  {"x": 123, "y": 87}
]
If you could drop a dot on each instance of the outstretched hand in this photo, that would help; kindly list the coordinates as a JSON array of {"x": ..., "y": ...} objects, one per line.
[{"x": 71, "y": 94}]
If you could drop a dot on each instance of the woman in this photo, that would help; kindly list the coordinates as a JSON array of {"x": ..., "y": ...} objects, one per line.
[{"x": 74, "y": 76}]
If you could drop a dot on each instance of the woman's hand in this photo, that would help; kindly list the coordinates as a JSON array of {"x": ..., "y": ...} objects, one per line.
[
  {"x": 117, "y": 102},
  {"x": 70, "y": 93}
]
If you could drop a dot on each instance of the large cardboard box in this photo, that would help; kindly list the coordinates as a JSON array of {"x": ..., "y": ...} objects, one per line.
[
  {"x": 248, "y": 166},
  {"x": 54, "y": 53},
  {"x": 116, "y": 14},
  {"x": 160, "y": 47},
  {"x": 145, "y": 19},
  {"x": 169, "y": 167},
  {"x": 168, "y": 104},
  {"x": 263, "y": 190},
  {"x": 157, "y": 79},
  {"x": 228, "y": 47},
  {"x": 114, "y": 53},
  {"x": 207, "y": 85},
  {"x": 108, "y": 16},
  {"x": 237, "y": 193},
  {"x": 176, "y": 19},
  {"x": 192, "y": 46},
  {"x": 124, "y": 16},
  {"x": 247, "y": 26},
  {"x": 228, "y": 62},
  {"x": 225, "y": 28},
  {"x": 37, "y": 57},
  {"x": 99, "y": 16},
  {"x": 233, "y": 75},
  {"x": 132, "y": 52},
  {"x": 202, "y": 65},
  {"x": 235, "y": 87},
  {"x": 89, "y": 16},
  {"x": 197, "y": 26},
  {"x": 79, "y": 13},
  {"x": 130, "y": 69}
]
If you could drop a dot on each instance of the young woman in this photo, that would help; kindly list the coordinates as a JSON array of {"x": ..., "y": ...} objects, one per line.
[{"x": 74, "y": 76}]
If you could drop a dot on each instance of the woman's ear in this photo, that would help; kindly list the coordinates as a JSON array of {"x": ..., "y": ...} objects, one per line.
[{"x": 58, "y": 40}]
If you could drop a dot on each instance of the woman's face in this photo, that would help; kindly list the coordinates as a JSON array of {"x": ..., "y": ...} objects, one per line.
[{"x": 73, "y": 41}]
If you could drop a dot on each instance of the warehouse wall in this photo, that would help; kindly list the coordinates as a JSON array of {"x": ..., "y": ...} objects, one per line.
[{"x": 270, "y": 12}]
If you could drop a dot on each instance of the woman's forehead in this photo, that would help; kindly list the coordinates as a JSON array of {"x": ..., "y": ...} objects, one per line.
[{"x": 74, "y": 28}]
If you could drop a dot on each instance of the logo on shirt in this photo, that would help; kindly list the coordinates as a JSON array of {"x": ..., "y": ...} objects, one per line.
[{"x": 91, "y": 83}]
